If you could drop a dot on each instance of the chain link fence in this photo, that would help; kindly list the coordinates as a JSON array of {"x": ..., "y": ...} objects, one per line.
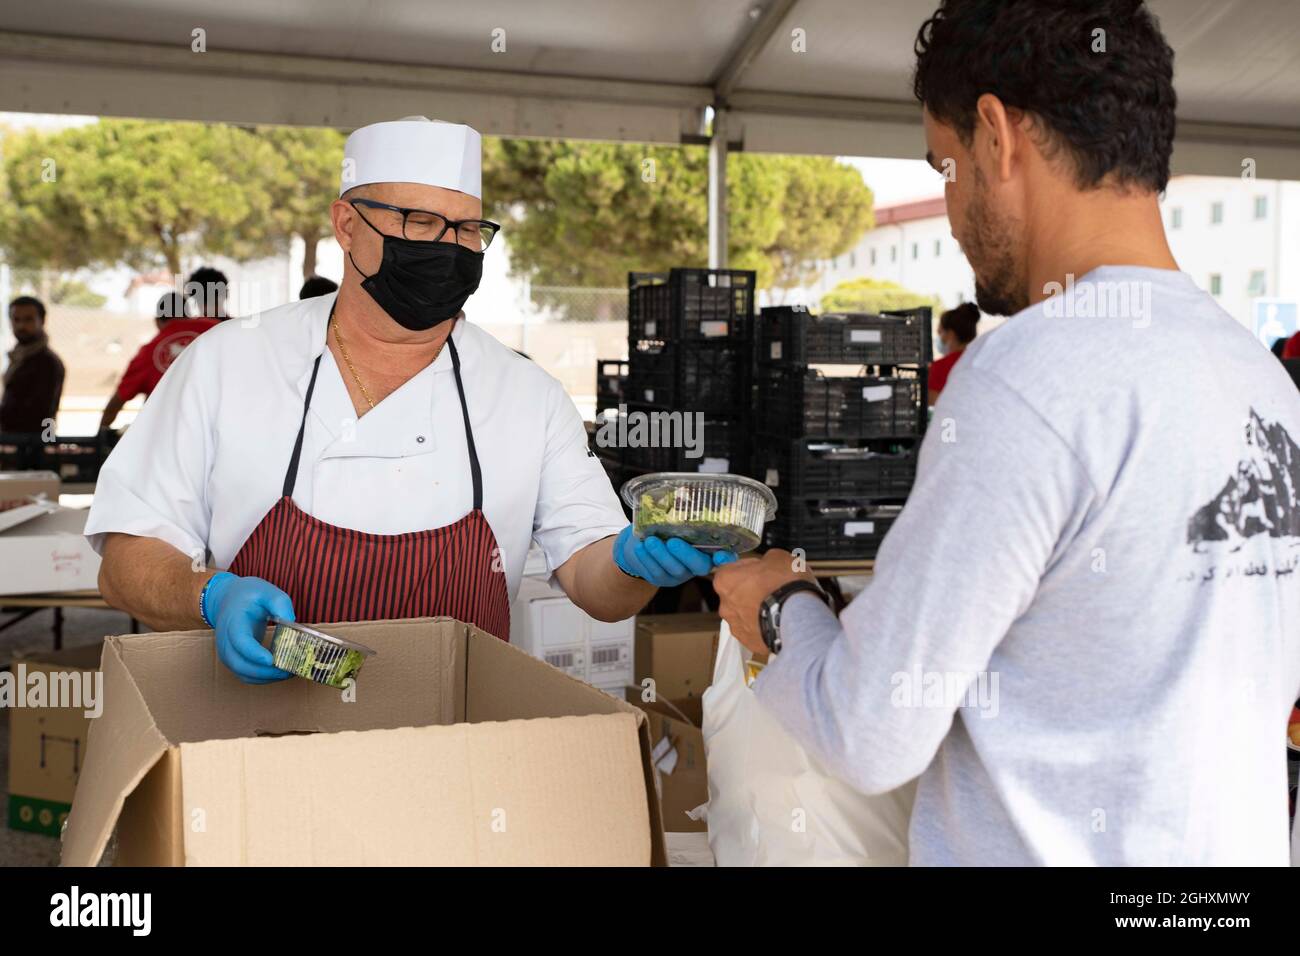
[
  {"x": 564, "y": 329},
  {"x": 579, "y": 304}
]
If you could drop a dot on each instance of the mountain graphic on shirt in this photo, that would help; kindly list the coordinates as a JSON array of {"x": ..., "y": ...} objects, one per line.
[{"x": 1262, "y": 497}]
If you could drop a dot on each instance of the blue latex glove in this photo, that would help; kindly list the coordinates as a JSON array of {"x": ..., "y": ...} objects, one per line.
[
  {"x": 664, "y": 563},
  {"x": 237, "y": 608}
]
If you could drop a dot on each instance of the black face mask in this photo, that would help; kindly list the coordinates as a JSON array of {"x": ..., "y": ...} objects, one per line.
[{"x": 420, "y": 284}]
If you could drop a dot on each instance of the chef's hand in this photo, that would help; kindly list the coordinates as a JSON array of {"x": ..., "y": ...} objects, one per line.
[
  {"x": 742, "y": 587},
  {"x": 238, "y": 608},
  {"x": 664, "y": 563}
]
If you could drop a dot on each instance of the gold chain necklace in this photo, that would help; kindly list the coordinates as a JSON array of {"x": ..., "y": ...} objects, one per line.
[{"x": 338, "y": 337}]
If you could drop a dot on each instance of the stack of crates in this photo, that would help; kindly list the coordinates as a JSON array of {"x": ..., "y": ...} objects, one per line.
[
  {"x": 611, "y": 392},
  {"x": 840, "y": 415},
  {"x": 689, "y": 378}
]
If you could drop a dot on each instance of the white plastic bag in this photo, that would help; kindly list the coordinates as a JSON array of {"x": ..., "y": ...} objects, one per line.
[{"x": 770, "y": 804}]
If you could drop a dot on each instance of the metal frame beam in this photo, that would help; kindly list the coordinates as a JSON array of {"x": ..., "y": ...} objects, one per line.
[{"x": 49, "y": 74}]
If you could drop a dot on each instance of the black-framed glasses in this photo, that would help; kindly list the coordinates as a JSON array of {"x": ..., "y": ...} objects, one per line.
[{"x": 425, "y": 226}]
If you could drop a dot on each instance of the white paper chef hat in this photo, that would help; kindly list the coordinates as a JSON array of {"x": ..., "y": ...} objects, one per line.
[{"x": 414, "y": 149}]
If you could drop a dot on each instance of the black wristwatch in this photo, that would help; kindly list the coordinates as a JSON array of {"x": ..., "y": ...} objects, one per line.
[{"x": 769, "y": 612}]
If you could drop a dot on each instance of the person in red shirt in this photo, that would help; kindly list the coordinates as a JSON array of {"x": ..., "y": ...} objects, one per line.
[
  {"x": 175, "y": 331},
  {"x": 1292, "y": 348},
  {"x": 956, "y": 331}
]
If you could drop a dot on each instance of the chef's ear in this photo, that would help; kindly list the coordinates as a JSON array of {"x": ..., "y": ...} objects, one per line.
[{"x": 343, "y": 215}]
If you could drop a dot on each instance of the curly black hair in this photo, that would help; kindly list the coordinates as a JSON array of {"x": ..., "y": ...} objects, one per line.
[{"x": 1112, "y": 111}]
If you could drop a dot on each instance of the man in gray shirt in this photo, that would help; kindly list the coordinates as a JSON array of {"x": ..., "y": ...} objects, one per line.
[{"x": 1083, "y": 633}]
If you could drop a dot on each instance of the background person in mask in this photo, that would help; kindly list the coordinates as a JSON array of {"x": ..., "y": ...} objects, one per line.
[
  {"x": 956, "y": 331},
  {"x": 176, "y": 330},
  {"x": 369, "y": 454}
]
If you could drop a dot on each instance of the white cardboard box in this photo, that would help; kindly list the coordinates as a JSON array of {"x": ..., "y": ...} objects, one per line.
[
  {"x": 48, "y": 552},
  {"x": 550, "y": 627}
]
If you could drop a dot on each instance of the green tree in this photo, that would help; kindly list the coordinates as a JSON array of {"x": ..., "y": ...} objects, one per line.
[
  {"x": 589, "y": 213},
  {"x": 875, "y": 295},
  {"x": 139, "y": 193},
  {"x": 304, "y": 184}
]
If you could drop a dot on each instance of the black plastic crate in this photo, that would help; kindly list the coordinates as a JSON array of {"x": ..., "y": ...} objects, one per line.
[
  {"x": 76, "y": 460},
  {"x": 712, "y": 378},
  {"x": 830, "y": 529},
  {"x": 686, "y": 305},
  {"x": 851, "y": 468},
  {"x": 654, "y": 438},
  {"x": 795, "y": 335},
  {"x": 611, "y": 383},
  {"x": 796, "y": 402}
]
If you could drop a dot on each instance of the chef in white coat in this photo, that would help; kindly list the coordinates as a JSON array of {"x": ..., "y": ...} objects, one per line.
[{"x": 370, "y": 454}]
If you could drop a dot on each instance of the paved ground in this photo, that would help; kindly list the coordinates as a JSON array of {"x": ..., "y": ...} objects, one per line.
[{"x": 80, "y": 626}]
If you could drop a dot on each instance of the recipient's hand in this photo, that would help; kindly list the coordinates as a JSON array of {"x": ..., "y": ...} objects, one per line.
[
  {"x": 238, "y": 609},
  {"x": 742, "y": 587},
  {"x": 664, "y": 563}
]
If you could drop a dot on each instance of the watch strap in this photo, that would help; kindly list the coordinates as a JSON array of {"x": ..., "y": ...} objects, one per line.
[{"x": 770, "y": 613}]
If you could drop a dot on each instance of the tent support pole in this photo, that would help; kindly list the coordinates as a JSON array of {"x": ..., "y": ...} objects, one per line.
[{"x": 718, "y": 191}]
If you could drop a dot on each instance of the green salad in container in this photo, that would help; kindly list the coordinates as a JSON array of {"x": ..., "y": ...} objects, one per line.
[
  {"x": 315, "y": 655},
  {"x": 712, "y": 512}
]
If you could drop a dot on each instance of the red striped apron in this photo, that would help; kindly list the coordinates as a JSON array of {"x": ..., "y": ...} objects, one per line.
[{"x": 337, "y": 574}]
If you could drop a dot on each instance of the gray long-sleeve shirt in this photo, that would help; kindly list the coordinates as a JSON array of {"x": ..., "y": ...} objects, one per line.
[{"x": 1083, "y": 632}]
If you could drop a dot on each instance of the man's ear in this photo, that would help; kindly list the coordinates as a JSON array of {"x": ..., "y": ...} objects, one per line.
[
  {"x": 998, "y": 132},
  {"x": 344, "y": 219}
]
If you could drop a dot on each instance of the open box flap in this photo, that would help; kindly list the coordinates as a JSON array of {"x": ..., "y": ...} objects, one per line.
[
  {"x": 504, "y": 683},
  {"x": 540, "y": 792},
  {"x": 415, "y": 679},
  {"x": 118, "y": 755}
]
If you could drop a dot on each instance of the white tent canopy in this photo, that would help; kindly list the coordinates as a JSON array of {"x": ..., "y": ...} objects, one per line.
[
  {"x": 791, "y": 76},
  {"x": 602, "y": 69}
]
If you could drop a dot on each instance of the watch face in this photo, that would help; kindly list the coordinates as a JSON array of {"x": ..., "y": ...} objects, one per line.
[{"x": 769, "y": 618}]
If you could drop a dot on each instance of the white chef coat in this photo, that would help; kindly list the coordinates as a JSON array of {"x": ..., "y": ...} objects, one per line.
[{"x": 206, "y": 457}]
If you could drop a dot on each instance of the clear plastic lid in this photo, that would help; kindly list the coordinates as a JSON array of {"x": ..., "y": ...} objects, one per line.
[{"x": 699, "y": 486}]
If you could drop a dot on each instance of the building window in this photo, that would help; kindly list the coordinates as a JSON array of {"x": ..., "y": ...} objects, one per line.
[
  {"x": 1216, "y": 283},
  {"x": 938, "y": 247},
  {"x": 1176, "y": 218},
  {"x": 873, "y": 255},
  {"x": 1261, "y": 207},
  {"x": 1258, "y": 283},
  {"x": 893, "y": 253},
  {"x": 1216, "y": 213},
  {"x": 916, "y": 249}
]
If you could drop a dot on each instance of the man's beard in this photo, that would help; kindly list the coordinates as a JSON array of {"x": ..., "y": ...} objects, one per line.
[{"x": 999, "y": 285}]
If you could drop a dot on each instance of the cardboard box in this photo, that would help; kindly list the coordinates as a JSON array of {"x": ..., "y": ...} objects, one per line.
[
  {"x": 47, "y": 745},
  {"x": 677, "y": 652},
  {"x": 19, "y": 487},
  {"x": 458, "y": 750},
  {"x": 47, "y": 551},
  {"x": 677, "y": 745}
]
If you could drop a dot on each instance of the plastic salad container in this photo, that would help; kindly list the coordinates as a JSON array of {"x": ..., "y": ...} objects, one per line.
[
  {"x": 712, "y": 512},
  {"x": 315, "y": 655}
]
